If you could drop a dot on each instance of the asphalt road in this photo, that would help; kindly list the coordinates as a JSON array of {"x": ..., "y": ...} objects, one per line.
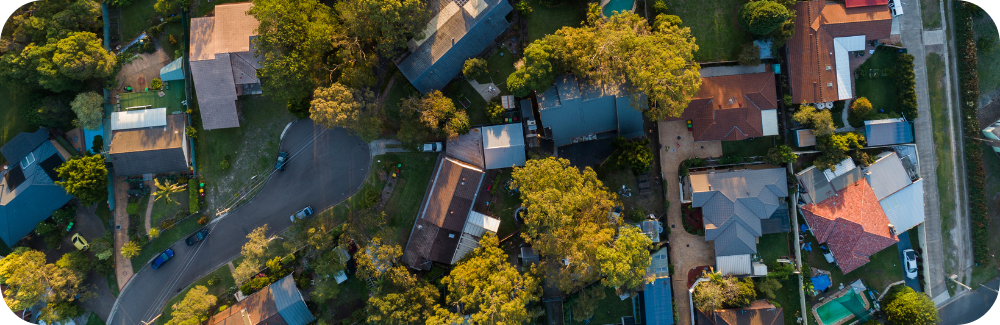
[
  {"x": 970, "y": 306},
  {"x": 326, "y": 171}
]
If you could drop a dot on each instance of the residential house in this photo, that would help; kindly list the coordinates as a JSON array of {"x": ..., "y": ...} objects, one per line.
[
  {"x": 865, "y": 3},
  {"x": 888, "y": 132},
  {"x": 734, "y": 205},
  {"x": 733, "y": 107},
  {"x": 457, "y": 31},
  {"x": 657, "y": 295},
  {"x": 759, "y": 312},
  {"x": 279, "y": 303},
  {"x": 820, "y": 53},
  {"x": 223, "y": 63},
  {"x": 446, "y": 228},
  {"x": 816, "y": 185},
  {"x": 574, "y": 111},
  {"x": 149, "y": 141},
  {"x": 28, "y": 192}
]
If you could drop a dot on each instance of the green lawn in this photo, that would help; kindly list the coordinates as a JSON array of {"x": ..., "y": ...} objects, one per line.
[
  {"x": 942, "y": 143},
  {"x": 218, "y": 289},
  {"x": 14, "y": 97},
  {"x": 504, "y": 209},
  {"x": 881, "y": 91},
  {"x": 93, "y": 319},
  {"x": 175, "y": 29},
  {"x": 500, "y": 65},
  {"x": 748, "y": 148},
  {"x": 204, "y": 7},
  {"x": 547, "y": 20},
  {"x": 714, "y": 26},
  {"x": 136, "y": 18},
  {"x": 930, "y": 10},
  {"x": 989, "y": 57},
  {"x": 788, "y": 298},
  {"x": 773, "y": 246},
  {"x": 113, "y": 284},
  {"x": 610, "y": 310},
  {"x": 459, "y": 91},
  {"x": 883, "y": 269},
  {"x": 250, "y": 148},
  {"x": 171, "y": 99},
  {"x": 837, "y": 113},
  {"x": 167, "y": 238},
  {"x": 163, "y": 210},
  {"x": 614, "y": 179},
  {"x": 406, "y": 197},
  {"x": 401, "y": 89}
]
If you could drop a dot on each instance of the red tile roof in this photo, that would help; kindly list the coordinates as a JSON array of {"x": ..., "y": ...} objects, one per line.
[
  {"x": 810, "y": 51},
  {"x": 852, "y": 223},
  {"x": 865, "y": 3},
  {"x": 728, "y": 107}
]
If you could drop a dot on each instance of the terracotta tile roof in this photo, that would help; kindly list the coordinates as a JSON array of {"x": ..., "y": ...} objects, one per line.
[
  {"x": 729, "y": 107},
  {"x": 865, "y": 3},
  {"x": 810, "y": 51},
  {"x": 759, "y": 312},
  {"x": 852, "y": 223}
]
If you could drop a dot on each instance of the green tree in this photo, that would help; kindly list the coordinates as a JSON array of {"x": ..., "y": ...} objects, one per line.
[
  {"x": 75, "y": 261},
  {"x": 474, "y": 68},
  {"x": 490, "y": 289},
  {"x": 131, "y": 249},
  {"x": 780, "y": 155},
  {"x": 89, "y": 109},
  {"x": 835, "y": 147},
  {"x": 902, "y": 305},
  {"x": 624, "y": 263},
  {"x": 411, "y": 130},
  {"x": 253, "y": 251},
  {"x": 357, "y": 68},
  {"x": 327, "y": 267},
  {"x": 635, "y": 155},
  {"x": 353, "y": 109},
  {"x": 495, "y": 111},
  {"x": 859, "y": 112},
  {"x": 750, "y": 55},
  {"x": 723, "y": 292},
  {"x": 154, "y": 232},
  {"x": 30, "y": 280},
  {"x": 49, "y": 111},
  {"x": 537, "y": 73},
  {"x": 387, "y": 24},
  {"x": 103, "y": 247},
  {"x": 524, "y": 7},
  {"x": 166, "y": 7},
  {"x": 568, "y": 220},
  {"x": 59, "y": 312},
  {"x": 583, "y": 304},
  {"x": 762, "y": 17},
  {"x": 767, "y": 287},
  {"x": 411, "y": 306},
  {"x": 294, "y": 39},
  {"x": 80, "y": 56},
  {"x": 669, "y": 20},
  {"x": 167, "y": 189},
  {"x": 86, "y": 178},
  {"x": 194, "y": 308},
  {"x": 438, "y": 113},
  {"x": 820, "y": 120}
]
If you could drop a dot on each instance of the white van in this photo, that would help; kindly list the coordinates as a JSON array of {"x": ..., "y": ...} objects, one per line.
[{"x": 896, "y": 7}]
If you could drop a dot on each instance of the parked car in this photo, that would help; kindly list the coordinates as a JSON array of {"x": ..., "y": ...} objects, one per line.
[
  {"x": 431, "y": 147},
  {"x": 159, "y": 260},
  {"x": 197, "y": 237},
  {"x": 910, "y": 263},
  {"x": 826, "y": 254},
  {"x": 80, "y": 242},
  {"x": 282, "y": 158},
  {"x": 302, "y": 214}
]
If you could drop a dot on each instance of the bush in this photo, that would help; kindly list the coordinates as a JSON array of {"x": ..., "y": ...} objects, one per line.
[
  {"x": 688, "y": 164},
  {"x": 203, "y": 220},
  {"x": 730, "y": 160},
  {"x": 969, "y": 83},
  {"x": 474, "y": 68},
  {"x": 524, "y": 8},
  {"x": 98, "y": 144},
  {"x": 750, "y": 55},
  {"x": 762, "y": 17},
  {"x": 905, "y": 80},
  {"x": 780, "y": 155},
  {"x": 167, "y": 224},
  {"x": 193, "y": 194},
  {"x": 65, "y": 215},
  {"x": 672, "y": 20},
  {"x": 370, "y": 198},
  {"x": 255, "y": 285},
  {"x": 148, "y": 47},
  {"x": 156, "y": 84},
  {"x": 634, "y": 155},
  {"x": 860, "y": 111},
  {"x": 192, "y": 133},
  {"x": 224, "y": 164},
  {"x": 172, "y": 39},
  {"x": 495, "y": 110},
  {"x": 659, "y": 7},
  {"x": 132, "y": 209}
]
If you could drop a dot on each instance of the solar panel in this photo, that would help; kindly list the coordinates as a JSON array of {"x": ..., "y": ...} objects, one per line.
[
  {"x": 50, "y": 164},
  {"x": 15, "y": 177}
]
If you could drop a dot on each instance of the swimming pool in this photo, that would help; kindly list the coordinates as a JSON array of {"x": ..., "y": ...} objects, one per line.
[
  {"x": 618, "y": 5},
  {"x": 838, "y": 309}
]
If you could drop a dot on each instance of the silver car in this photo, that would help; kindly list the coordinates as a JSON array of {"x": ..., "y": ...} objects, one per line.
[
  {"x": 302, "y": 214},
  {"x": 910, "y": 263}
]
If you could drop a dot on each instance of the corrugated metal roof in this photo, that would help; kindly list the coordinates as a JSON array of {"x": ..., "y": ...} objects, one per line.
[
  {"x": 769, "y": 121},
  {"x": 503, "y": 146},
  {"x": 841, "y": 168},
  {"x": 905, "y": 208},
  {"x": 575, "y": 108},
  {"x": 289, "y": 302},
  {"x": 888, "y": 131},
  {"x": 173, "y": 71},
  {"x": 841, "y": 47},
  {"x": 805, "y": 138},
  {"x": 659, "y": 302},
  {"x": 733, "y": 264},
  {"x": 887, "y": 175},
  {"x": 142, "y": 118}
]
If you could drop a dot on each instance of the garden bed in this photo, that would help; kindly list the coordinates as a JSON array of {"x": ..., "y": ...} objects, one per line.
[{"x": 693, "y": 220}]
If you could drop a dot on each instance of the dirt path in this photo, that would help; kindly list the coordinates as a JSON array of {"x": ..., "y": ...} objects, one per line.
[
  {"x": 381, "y": 97},
  {"x": 123, "y": 266}
]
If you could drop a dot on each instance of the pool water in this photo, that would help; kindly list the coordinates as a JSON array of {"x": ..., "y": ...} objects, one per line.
[
  {"x": 836, "y": 310},
  {"x": 618, "y": 5}
]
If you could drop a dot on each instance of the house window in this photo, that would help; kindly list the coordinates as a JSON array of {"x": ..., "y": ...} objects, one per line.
[{"x": 27, "y": 160}]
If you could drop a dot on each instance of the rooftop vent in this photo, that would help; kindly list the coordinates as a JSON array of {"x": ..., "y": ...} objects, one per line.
[
  {"x": 828, "y": 68},
  {"x": 829, "y": 84}
]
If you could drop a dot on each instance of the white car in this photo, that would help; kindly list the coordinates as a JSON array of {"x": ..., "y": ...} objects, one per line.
[
  {"x": 910, "y": 263},
  {"x": 827, "y": 254},
  {"x": 431, "y": 147},
  {"x": 302, "y": 214}
]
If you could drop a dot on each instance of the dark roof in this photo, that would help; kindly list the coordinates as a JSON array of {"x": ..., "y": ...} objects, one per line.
[
  {"x": 815, "y": 187},
  {"x": 439, "y": 57},
  {"x": 810, "y": 50},
  {"x": 658, "y": 301},
  {"x": 467, "y": 148},
  {"x": 289, "y": 302},
  {"x": 759, "y": 312},
  {"x": 22, "y": 144},
  {"x": 778, "y": 222},
  {"x": 439, "y": 225},
  {"x": 729, "y": 107},
  {"x": 15, "y": 176},
  {"x": 151, "y": 149},
  {"x": 574, "y": 108},
  {"x": 888, "y": 131},
  {"x": 734, "y": 203},
  {"x": 28, "y": 194}
]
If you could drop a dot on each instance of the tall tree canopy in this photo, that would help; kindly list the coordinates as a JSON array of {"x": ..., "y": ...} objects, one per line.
[
  {"x": 621, "y": 50},
  {"x": 820, "y": 120},
  {"x": 412, "y": 305},
  {"x": 835, "y": 148},
  {"x": 194, "y": 308},
  {"x": 388, "y": 24},
  {"x": 438, "y": 113},
  {"x": 89, "y": 109},
  {"x": 537, "y": 72},
  {"x": 905, "y": 306},
  {"x": 624, "y": 263},
  {"x": 30, "y": 280},
  {"x": 353, "y": 109},
  {"x": 490, "y": 289},
  {"x": 762, "y": 17},
  {"x": 86, "y": 178}
]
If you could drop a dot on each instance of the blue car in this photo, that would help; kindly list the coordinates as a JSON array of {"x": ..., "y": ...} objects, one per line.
[{"x": 166, "y": 255}]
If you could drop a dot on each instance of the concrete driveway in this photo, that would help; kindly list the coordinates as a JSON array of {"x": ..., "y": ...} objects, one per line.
[
  {"x": 904, "y": 244},
  {"x": 330, "y": 169}
]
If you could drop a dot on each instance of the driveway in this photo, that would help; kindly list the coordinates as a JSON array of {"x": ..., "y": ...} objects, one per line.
[
  {"x": 904, "y": 244},
  {"x": 970, "y": 306},
  {"x": 330, "y": 169}
]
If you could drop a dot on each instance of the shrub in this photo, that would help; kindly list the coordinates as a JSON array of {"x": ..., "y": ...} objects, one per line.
[
  {"x": 192, "y": 133},
  {"x": 172, "y": 39},
  {"x": 132, "y": 208},
  {"x": 729, "y": 160},
  {"x": 224, "y": 164},
  {"x": 64, "y": 215},
  {"x": 688, "y": 164},
  {"x": 780, "y": 155},
  {"x": 524, "y": 8},
  {"x": 969, "y": 83},
  {"x": 905, "y": 80},
  {"x": 193, "y": 194},
  {"x": 370, "y": 198},
  {"x": 634, "y": 155},
  {"x": 474, "y": 68},
  {"x": 167, "y": 224},
  {"x": 255, "y": 285},
  {"x": 495, "y": 111},
  {"x": 762, "y": 17},
  {"x": 659, "y": 7},
  {"x": 750, "y": 55},
  {"x": 148, "y": 47},
  {"x": 672, "y": 20},
  {"x": 860, "y": 110},
  {"x": 203, "y": 220},
  {"x": 156, "y": 84},
  {"x": 98, "y": 144}
]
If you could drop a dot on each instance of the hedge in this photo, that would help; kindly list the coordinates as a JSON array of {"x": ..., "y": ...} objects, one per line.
[
  {"x": 975, "y": 173},
  {"x": 193, "y": 195}
]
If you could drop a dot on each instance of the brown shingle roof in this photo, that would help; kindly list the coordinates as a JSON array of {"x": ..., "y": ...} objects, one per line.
[
  {"x": 810, "y": 51},
  {"x": 156, "y": 149},
  {"x": 220, "y": 59},
  {"x": 729, "y": 107},
  {"x": 260, "y": 309}
]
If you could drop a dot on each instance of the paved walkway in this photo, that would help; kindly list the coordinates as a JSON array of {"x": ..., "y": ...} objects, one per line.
[
  {"x": 378, "y": 147},
  {"x": 123, "y": 266},
  {"x": 686, "y": 250},
  {"x": 149, "y": 207},
  {"x": 488, "y": 90}
]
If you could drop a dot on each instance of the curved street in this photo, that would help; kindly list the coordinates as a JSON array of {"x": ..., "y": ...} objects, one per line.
[{"x": 331, "y": 166}]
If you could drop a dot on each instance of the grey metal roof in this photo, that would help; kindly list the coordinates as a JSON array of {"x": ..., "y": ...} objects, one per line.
[
  {"x": 887, "y": 175},
  {"x": 777, "y": 223},
  {"x": 735, "y": 241},
  {"x": 574, "y": 108},
  {"x": 734, "y": 203},
  {"x": 34, "y": 199},
  {"x": 630, "y": 116},
  {"x": 905, "y": 208},
  {"x": 814, "y": 186},
  {"x": 441, "y": 56},
  {"x": 526, "y": 111},
  {"x": 216, "y": 92},
  {"x": 503, "y": 145},
  {"x": 659, "y": 302},
  {"x": 888, "y": 131},
  {"x": 22, "y": 144},
  {"x": 289, "y": 302}
]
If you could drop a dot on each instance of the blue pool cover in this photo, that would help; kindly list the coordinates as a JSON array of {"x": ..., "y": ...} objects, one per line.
[{"x": 821, "y": 282}]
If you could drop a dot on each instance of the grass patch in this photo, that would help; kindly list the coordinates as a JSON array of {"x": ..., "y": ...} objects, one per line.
[
  {"x": 136, "y": 18},
  {"x": 773, "y": 246},
  {"x": 884, "y": 267},
  {"x": 505, "y": 204},
  {"x": 93, "y": 319},
  {"x": 988, "y": 66},
  {"x": 610, "y": 310},
  {"x": 352, "y": 297},
  {"x": 401, "y": 89},
  {"x": 113, "y": 284},
  {"x": 15, "y": 96},
  {"x": 748, "y": 148},
  {"x": 175, "y": 29},
  {"x": 163, "y": 210},
  {"x": 500, "y": 65},
  {"x": 167, "y": 238},
  {"x": 218, "y": 289},
  {"x": 713, "y": 24},
  {"x": 837, "y": 113},
  {"x": 930, "y": 10},
  {"x": 648, "y": 204},
  {"x": 881, "y": 90},
  {"x": 943, "y": 147},
  {"x": 546, "y": 20},
  {"x": 250, "y": 148},
  {"x": 788, "y": 298},
  {"x": 460, "y": 91},
  {"x": 409, "y": 192}
]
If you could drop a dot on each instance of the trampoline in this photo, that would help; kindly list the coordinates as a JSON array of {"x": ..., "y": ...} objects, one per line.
[
  {"x": 617, "y": 5},
  {"x": 839, "y": 309}
]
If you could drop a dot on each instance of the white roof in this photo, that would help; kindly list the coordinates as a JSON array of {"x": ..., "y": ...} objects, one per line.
[
  {"x": 842, "y": 45},
  {"x": 842, "y": 168},
  {"x": 481, "y": 221},
  {"x": 905, "y": 208},
  {"x": 733, "y": 264},
  {"x": 769, "y": 119},
  {"x": 759, "y": 269},
  {"x": 138, "y": 119}
]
